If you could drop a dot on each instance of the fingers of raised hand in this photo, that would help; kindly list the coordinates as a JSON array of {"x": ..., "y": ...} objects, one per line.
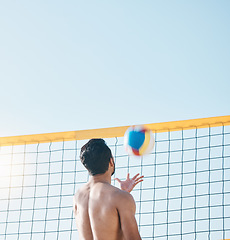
[
  {"x": 134, "y": 178},
  {"x": 139, "y": 179},
  {"x": 117, "y": 180}
]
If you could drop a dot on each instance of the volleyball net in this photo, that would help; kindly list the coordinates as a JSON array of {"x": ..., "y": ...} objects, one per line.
[{"x": 185, "y": 193}]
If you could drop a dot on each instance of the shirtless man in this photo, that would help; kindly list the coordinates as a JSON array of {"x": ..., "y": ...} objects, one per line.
[{"x": 102, "y": 211}]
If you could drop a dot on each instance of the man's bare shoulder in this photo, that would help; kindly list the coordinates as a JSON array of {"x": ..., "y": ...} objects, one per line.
[
  {"x": 117, "y": 192},
  {"x": 122, "y": 197},
  {"x": 82, "y": 191}
]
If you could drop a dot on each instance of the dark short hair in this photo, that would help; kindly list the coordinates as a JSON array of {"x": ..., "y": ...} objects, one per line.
[{"x": 95, "y": 155}]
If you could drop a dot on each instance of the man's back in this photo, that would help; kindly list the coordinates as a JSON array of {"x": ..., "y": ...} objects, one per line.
[
  {"x": 97, "y": 216},
  {"x": 102, "y": 212}
]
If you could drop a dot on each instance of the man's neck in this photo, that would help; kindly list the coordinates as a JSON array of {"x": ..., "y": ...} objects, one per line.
[{"x": 100, "y": 178}]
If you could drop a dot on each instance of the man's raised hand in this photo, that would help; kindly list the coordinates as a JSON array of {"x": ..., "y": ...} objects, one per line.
[{"x": 130, "y": 183}]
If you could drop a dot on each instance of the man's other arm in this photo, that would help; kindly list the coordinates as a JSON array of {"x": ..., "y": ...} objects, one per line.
[
  {"x": 75, "y": 208},
  {"x": 126, "y": 209}
]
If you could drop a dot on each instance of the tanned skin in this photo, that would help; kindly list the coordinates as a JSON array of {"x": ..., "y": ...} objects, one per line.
[{"x": 104, "y": 212}]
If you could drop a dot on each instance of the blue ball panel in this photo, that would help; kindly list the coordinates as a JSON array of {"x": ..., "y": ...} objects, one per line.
[{"x": 136, "y": 139}]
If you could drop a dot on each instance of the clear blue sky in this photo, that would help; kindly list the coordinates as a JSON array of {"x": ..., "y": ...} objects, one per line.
[{"x": 69, "y": 65}]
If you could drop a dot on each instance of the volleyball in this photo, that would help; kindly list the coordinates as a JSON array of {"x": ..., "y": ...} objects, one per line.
[{"x": 138, "y": 140}]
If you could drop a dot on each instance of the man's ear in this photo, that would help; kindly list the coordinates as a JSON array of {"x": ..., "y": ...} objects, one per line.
[{"x": 111, "y": 162}]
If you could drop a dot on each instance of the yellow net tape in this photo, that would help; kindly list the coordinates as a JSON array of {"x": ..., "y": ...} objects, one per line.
[{"x": 114, "y": 131}]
